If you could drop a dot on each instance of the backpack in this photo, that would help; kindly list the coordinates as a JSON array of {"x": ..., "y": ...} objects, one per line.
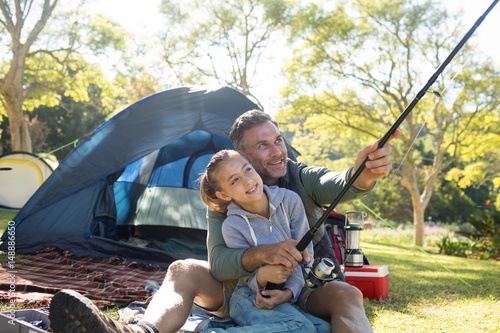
[{"x": 335, "y": 227}]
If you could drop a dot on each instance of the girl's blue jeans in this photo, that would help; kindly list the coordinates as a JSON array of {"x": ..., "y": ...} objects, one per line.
[{"x": 285, "y": 317}]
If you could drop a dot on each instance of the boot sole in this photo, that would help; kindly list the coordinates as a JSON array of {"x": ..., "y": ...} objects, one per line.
[{"x": 71, "y": 312}]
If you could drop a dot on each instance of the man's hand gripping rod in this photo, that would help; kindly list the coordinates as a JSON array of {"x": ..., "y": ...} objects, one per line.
[{"x": 308, "y": 237}]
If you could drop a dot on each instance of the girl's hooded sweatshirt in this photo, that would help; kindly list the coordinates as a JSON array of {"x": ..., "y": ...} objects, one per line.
[{"x": 242, "y": 229}]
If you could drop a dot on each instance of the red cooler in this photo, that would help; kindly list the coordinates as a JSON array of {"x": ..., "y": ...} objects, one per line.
[{"x": 372, "y": 280}]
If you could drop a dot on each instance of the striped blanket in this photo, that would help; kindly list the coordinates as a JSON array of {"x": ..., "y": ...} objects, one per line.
[{"x": 107, "y": 281}]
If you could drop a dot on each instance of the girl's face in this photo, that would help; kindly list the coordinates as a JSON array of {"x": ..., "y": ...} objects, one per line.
[{"x": 239, "y": 181}]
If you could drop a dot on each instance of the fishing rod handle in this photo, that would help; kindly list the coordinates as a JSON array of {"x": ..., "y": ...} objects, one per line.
[
  {"x": 274, "y": 286},
  {"x": 306, "y": 239},
  {"x": 301, "y": 246}
]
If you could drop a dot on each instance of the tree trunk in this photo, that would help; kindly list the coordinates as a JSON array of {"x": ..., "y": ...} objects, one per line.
[
  {"x": 11, "y": 85},
  {"x": 19, "y": 133},
  {"x": 418, "y": 223},
  {"x": 12, "y": 93},
  {"x": 409, "y": 181}
]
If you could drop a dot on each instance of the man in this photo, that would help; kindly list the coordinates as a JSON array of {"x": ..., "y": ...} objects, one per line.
[{"x": 256, "y": 136}]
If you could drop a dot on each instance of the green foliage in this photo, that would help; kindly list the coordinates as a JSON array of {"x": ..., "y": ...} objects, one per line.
[
  {"x": 485, "y": 223},
  {"x": 48, "y": 80},
  {"x": 68, "y": 121},
  {"x": 480, "y": 241},
  {"x": 103, "y": 34},
  {"x": 315, "y": 128},
  {"x": 353, "y": 72},
  {"x": 54, "y": 126},
  {"x": 456, "y": 247},
  {"x": 479, "y": 162},
  {"x": 450, "y": 204},
  {"x": 486, "y": 233},
  {"x": 57, "y": 60},
  {"x": 66, "y": 91}
]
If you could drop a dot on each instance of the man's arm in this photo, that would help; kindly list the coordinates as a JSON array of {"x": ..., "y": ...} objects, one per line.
[
  {"x": 231, "y": 264},
  {"x": 225, "y": 263},
  {"x": 323, "y": 185},
  {"x": 284, "y": 253}
]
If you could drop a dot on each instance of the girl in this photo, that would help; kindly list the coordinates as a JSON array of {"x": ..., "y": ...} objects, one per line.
[{"x": 258, "y": 215}]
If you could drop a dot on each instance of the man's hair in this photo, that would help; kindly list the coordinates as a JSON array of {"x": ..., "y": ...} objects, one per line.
[{"x": 246, "y": 121}]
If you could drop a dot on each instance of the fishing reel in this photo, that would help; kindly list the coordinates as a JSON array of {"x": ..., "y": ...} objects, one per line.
[{"x": 320, "y": 273}]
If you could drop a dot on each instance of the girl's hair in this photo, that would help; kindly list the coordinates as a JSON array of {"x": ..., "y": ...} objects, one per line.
[{"x": 209, "y": 185}]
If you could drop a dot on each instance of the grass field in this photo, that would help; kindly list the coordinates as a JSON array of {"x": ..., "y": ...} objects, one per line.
[
  {"x": 428, "y": 292},
  {"x": 425, "y": 297},
  {"x": 5, "y": 217}
]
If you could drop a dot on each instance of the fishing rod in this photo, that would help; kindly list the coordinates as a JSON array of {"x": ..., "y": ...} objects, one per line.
[
  {"x": 308, "y": 237},
  {"x": 310, "y": 234}
]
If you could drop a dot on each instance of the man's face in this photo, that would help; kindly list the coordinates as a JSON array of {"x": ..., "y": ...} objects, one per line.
[{"x": 264, "y": 147}]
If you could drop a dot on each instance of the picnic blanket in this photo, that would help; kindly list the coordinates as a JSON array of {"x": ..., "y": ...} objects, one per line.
[{"x": 107, "y": 281}]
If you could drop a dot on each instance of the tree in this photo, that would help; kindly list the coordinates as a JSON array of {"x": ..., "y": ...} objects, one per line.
[
  {"x": 44, "y": 59},
  {"x": 357, "y": 65},
  {"x": 67, "y": 121},
  {"x": 14, "y": 17},
  {"x": 221, "y": 41}
]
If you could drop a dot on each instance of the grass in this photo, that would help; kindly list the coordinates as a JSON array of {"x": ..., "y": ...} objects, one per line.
[
  {"x": 428, "y": 292},
  {"x": 5, "y": 217},
  {"x": 431, "y": 292}
]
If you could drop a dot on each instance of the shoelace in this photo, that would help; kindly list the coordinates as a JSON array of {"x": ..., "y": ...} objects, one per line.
[{"x": 147, "y": 327}]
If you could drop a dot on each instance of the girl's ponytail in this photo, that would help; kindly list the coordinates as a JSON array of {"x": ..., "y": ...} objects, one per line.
[{"x": 208, "y": 182}]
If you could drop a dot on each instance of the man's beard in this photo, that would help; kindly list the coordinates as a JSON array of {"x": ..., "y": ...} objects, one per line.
[{"x": 268, "y": 175}]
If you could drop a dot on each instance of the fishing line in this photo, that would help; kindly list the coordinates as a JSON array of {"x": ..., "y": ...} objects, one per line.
[
  {"x": 417, "y": 246},
  {"x": 308, "y": 237},
  {"x": 392, "y": 175}
]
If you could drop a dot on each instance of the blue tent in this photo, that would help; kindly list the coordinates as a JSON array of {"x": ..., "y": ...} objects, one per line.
[{"x": 130, "y": 188}]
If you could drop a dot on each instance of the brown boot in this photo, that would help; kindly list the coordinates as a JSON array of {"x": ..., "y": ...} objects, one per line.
[{"x": 71, "y": 312}]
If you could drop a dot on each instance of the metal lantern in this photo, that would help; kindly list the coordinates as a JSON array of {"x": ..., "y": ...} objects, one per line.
[{"x": 354, "y": 257}]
